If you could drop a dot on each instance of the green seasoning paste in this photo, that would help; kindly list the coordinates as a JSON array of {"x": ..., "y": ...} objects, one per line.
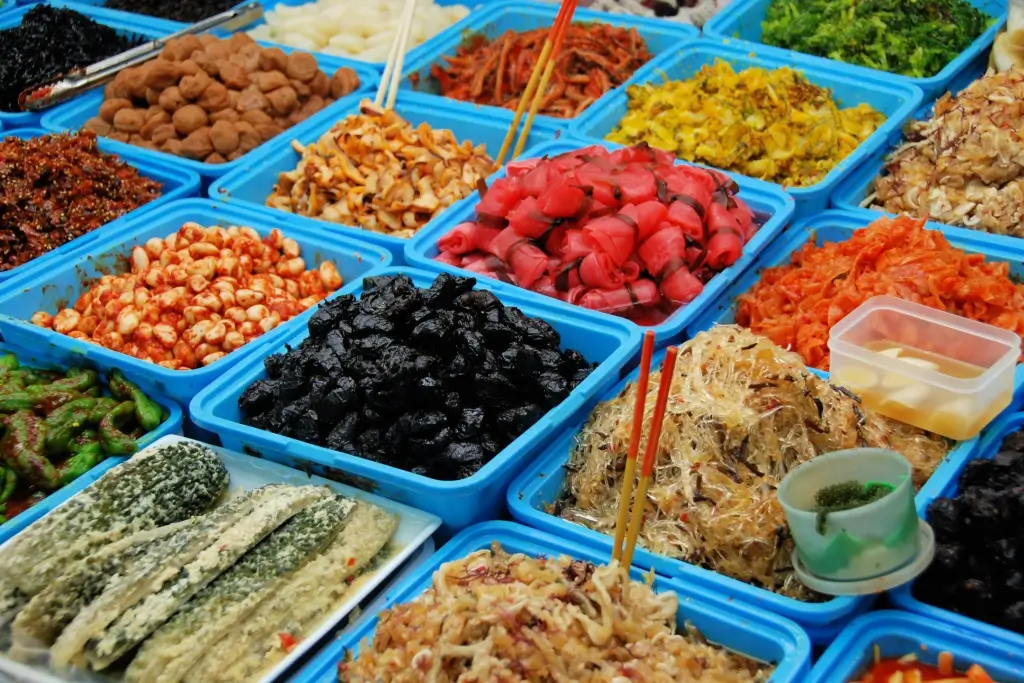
[
  {"x": 846, "y": 496},
  {"x": 915, "y": 38}
]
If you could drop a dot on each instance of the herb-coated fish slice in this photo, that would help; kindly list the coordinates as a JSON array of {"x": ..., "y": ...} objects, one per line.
[
  {"x": 145, "y": 617},
  {"x": 46, "y": 614},
  {"x": 156, "y": 487},
  {"x": 149, "y": 573},
  {"x": 177, "y": 645},
  {"x": 299, "y": 606}
]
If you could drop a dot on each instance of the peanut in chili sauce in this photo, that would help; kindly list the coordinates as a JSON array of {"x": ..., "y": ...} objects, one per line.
[{"x": 55, "y": 188}]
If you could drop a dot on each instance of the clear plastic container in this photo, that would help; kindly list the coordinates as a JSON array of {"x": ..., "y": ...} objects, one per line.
[
  {"x": 860, "y": 543},
  {"x": 925, "y": 367}
]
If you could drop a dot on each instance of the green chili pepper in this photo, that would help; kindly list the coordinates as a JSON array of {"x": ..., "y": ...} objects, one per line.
[
  {"x": 148, "y": 412},
  {"x": 87, "y": 457},
  {"x": 22, "y": 450},
  {"x": 60, "y": 434},
  {"x": 8, "y": 363},
  {"x": 57, "y": 416},
  {"x": 77, "y": 379},
  {"x": 113, "y": 440},
  {"x": 34, "y": 377},
  {"x": 95, "y": 392},
  {"x": 10, "y": 483}
]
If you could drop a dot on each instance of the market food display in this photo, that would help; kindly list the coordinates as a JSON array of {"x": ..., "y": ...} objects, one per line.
[
  {"x": 185, "y": 11},
  {"x": 594, "y": 58},
  {"x": 961, "y": 166},
  {"x": 434, "y": 381},
  {"x": 352, "y": 28},
  {"x": 178, "y": 584},
  {"x": 742, "y": 413},
  {"x": 909, "y": 668},
  {"x": 49, "y": 42},
  {"x": 693, "y": 12},
  {"x": 624, "y": 232},
  {"x": 83, "y": 190},
  {"x": 768, "y": 124},
  {"x": 916, "y": 38},
  {"x": 196, "y": 295},
  {"x": 514, "y": 617},
  {"x": 213, "y": 100},
  {"x": 795, "y": 305},
  {"x": 977, "y": 542},
  {"x": 59, "y": 424},
  {"x": 380, "y": 173}
]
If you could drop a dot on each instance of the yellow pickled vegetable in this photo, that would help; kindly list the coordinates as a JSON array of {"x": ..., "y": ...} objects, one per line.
[{"x": 774, "y": 125}]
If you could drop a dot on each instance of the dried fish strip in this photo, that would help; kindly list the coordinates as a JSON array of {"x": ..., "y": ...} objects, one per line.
[
  {"x": 154, "y": 488},
  {"x": 965, "y": 165},
  {"x": 145, "y": 617},
  {"x": 741, "y": 414},
  {"x": 300, "y": 604},
  {"x": 49, "y": 612},
  {"x": 379, "y": 173},
  {"x": 168, "y": 654}
]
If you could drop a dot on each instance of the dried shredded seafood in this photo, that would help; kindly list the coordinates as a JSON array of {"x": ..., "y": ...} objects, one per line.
[
  {"x": 796, "y": 304},
  {"x": 380, "y": 173},
  {"x": 492, "y": 616},
  {"x": 741, "y": 414},
  {"x": 768, "y": 124},
  {"x": 965, "y": 165},
  {"x": 594, "y": 58}
]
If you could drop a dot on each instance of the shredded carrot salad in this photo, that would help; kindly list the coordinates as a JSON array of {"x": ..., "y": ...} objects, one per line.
[
  {"x": 796, "y": 305},
  {"x": 909, "y": 670}
]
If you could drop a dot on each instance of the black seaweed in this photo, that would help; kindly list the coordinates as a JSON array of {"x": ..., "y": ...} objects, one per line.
[
  {"x": 434, "y": 381},
  {"x": 186, "y": 11},
  {"x": 978, "y": 569},
  {"x": 49, "y": 43}
]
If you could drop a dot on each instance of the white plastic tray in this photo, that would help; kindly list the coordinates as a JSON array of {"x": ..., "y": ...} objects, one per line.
[{"x": 247, "y": 473}]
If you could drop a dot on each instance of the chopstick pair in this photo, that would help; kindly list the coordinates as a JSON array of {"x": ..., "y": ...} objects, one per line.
[
  {"x": 392, "y": 79},
  {"x": 624, "y": 555},
  {"x": 538, "y": 83}
]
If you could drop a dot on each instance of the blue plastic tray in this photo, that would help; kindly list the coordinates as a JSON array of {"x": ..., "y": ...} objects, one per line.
[
  {"x": 498, "y": 17},
  {"x": 897, "y": 634},
  {"x": 49, "y": 356},
  {"x": 837, "y": 226},
  {"x": 737, "y": 627},
  {"x": 767, "y": 201},
  {"x": 891, "y": 97},
  {"x": 74, "y": 114},
  {"x": 178, "y": 183},
  {"x": 60, "y": 284},
  {"x": 11, "y": 16},
  {"x": 458, "y": 503},
  {"x": 540, "y": 484},
  {"x": 903, "y": 597},
  {"x": 253, "y": 181},
  {"x": 742, "y": 19}
]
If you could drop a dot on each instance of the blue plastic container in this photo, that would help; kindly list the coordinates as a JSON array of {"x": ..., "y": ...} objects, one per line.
[
  {"x": 737, "y": 627},
  {"x": 50, "y": 356},
  {"x": 513, "y": 15},
  {"x": 178, "y": 183},
  {"x": 896, "y": 100},
  {"x": 771, "y": 204},
  {"x": 541, "y": 483},
  {"x": 903, "y": 597},
  {"x": 125, "y": 24},
  {"x": 253, "y": 181},
  {"x": 61, "y": 282},
  {"x": 74, "y": 114},
  {"x": 837, "y": 226},
  {"x": 742, "y": 19},
  {"x": 458, "y": 503},
  {"x": 897, "y": 634}
]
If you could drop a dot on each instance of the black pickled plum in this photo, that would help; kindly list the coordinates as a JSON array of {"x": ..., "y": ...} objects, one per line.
[
  {"x": 979, "y": 556},
  {"x": 436, "y": 381}
]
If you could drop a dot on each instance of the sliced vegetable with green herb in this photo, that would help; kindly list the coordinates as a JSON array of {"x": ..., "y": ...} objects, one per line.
[
  {"x": 915, "y": 38},
  {"x": 846, "y": 496}
]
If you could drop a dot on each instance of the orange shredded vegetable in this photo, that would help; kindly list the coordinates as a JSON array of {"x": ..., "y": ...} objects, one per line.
[
  {"x": 797, "y": 304},
  {"x": 909, "y": 670}
]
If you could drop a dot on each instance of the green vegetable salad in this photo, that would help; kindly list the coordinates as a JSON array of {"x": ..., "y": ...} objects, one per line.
[{"x": 916, "y": 38}]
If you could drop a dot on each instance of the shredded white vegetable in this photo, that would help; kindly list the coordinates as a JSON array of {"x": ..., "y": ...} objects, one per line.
[{"x": 698, "y": 14}]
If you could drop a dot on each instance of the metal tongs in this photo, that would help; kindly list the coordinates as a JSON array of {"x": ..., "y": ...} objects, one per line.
[{"x": 80, "y": 80}]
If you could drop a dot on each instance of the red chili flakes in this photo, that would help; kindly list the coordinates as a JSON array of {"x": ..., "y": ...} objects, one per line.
[
  {"x": 55, "y": 188},
  {"x": 287, "y": 641},
  {"x": 351, "y": 561}
]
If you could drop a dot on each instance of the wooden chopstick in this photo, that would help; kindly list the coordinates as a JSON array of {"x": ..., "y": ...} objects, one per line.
[
  {"x": 629, "y": 477},
  {"x": 541, "y": 74},
  {"x": 668, "y": 370},
  {"x": 392, "y": 78}
]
